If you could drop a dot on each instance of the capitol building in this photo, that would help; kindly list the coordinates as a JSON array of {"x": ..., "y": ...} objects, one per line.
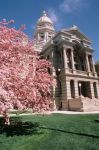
[{"x": 73, "y": 66}]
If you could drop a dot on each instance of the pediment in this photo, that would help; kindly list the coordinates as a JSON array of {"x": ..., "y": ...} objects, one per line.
[{"x": 76, "y": 33}]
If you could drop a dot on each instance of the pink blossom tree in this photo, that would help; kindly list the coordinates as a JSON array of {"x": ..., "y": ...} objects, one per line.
[{"x": 24, "y": 78}]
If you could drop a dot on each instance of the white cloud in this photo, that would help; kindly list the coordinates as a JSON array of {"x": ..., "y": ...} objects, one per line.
[
  {"x": 53, "y": 15},
  {"x": 70, "y": 6}
]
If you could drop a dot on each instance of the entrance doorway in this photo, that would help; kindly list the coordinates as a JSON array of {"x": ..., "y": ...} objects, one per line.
[{"x": 84, "y": 89}]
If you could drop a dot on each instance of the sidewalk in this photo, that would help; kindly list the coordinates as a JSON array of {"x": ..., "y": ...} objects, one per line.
[
  {"x": 54, "y": 112},
  {"x": 73, "y": 112}
]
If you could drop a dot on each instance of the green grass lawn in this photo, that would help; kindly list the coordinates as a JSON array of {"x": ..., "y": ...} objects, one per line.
[{"x": 51, "y": 132}]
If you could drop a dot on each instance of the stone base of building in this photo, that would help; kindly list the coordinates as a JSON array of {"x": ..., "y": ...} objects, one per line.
[
  {"x": 64, "y": 105},
  {"x": 75, "y": 105},
  {"x": 81, "y": 104}
]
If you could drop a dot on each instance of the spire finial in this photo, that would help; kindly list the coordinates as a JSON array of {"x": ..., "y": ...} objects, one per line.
[
  {"x": 44, "y": 13},
  {"x": 74, "y": 27}
]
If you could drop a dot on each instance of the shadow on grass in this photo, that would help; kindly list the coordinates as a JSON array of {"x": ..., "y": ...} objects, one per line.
[
  {"x": 96, "y": 121},
  {"x": 17, "y": 127},
  {"x": 70, "y": 132}
]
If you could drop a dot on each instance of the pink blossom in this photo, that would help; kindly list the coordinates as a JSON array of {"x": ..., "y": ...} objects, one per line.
[{"x": 24, "y": 79}]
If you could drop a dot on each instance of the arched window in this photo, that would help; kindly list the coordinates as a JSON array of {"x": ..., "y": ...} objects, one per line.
[{"x": 41, "y": 35}]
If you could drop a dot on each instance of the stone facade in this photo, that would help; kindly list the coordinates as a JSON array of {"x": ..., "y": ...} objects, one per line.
[
  {"x": 97, "y": 68},
  {"x": 71, "y": 54}
]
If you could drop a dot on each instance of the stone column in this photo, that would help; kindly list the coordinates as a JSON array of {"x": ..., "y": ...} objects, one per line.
[
  {"x": 46, "y": 36},
  {"x": 62, "y": 62},
  {"x": 38, "y": 36},
  {"x": 72, "y": 59},
  {"x": 92, "y": 90},
  {"x": 76, "y": 89},
  {"x": 87, "y": 63},
  {"x": 94, "y": 71},
  {"x": 97, "y": 88},
  {"x": 54, "y": 87},
  {"x": 65, "y": 58}
]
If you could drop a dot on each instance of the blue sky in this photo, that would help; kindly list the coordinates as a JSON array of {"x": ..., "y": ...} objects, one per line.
[{"x": 64, "y": 13}]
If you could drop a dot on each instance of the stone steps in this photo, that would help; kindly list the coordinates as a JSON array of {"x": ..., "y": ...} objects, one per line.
[{"x": 90, "y": 105}]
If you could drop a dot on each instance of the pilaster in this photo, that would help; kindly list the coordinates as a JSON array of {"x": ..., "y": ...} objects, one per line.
[
  {"x": 76, "y": 89},
  {"x": 97, "y": 86},
  {"x": 65, "y": 58},
  {"x": 38, "y": 37},
  {"x": 68, "y": 89},
  {"x": 94, "y": 71},
  {"x": 92, "y": 90},
  {"x": 87, "y": 63},
  {"x": 64, "y": 99},
  {"x": 72, "y": 59}
]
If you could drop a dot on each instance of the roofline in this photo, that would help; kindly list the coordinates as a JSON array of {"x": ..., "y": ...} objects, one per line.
[{"x": 71, "y": 29}]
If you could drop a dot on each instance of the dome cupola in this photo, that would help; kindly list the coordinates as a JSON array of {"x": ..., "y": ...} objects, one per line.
[
  {"x": 44, "y": 29},
  {"x": 44, "y": 19}
]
